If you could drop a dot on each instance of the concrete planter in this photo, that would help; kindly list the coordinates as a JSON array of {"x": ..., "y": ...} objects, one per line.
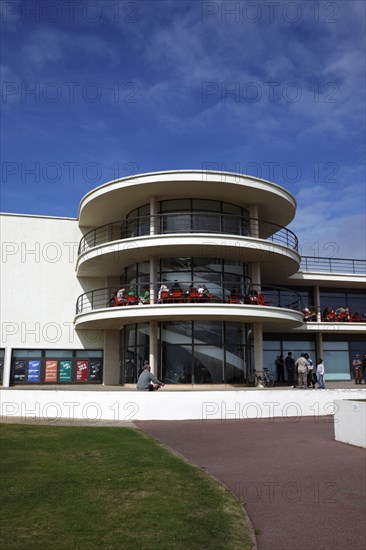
[{"x": 350, "y": 422}]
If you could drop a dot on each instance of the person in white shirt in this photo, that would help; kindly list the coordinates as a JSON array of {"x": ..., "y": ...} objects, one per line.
[
  {"x": 163, "y": 288},
  {"x": 320, "y": 374}
]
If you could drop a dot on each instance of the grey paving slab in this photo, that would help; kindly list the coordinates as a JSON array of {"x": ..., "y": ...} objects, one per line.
[{"x": 301, "y": 488}]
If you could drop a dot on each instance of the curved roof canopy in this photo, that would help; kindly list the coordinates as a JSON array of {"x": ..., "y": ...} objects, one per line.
[{"x": 114, "y": 200}]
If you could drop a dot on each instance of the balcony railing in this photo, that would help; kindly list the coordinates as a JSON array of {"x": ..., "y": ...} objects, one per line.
[
  {"x": 188, "y": 292},
  {"x": 333, "y": 265},
  {"x": 342, "y": 314},
  {"x": 188, "y": 222}
]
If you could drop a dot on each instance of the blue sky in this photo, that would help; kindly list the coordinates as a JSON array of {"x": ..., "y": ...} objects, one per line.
[{"x": 94, "y": 90}]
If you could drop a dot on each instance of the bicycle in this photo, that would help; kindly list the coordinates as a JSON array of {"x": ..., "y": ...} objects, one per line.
[
  {"x": 252, "y": 378},
  {"x": 267, "y": 379}
]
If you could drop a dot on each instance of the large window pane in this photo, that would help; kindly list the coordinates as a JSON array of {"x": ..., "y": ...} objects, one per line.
[
  {"x": 59, "y": 353},
  {"x": 206, "y": 223},
  {"x": 299, "y": 346},
  {"x": 176, "y": 364},
  {"x": 212, "y": 206},
  {"x": 234, "y": 334},
  {"x": 337, "y": 366},
  {"x": 208, "y": 332},
  {"x": 178, "y": 332},
  {"x": 175, "y": 205},
  {"x": 270, "y": 361},
  {"x": 208, "y": 365},
  {"x": 234, "y": 364},
  {"x": 176, "y": 223},
  {"x": 336, "y": 346},
  {"x": 272, "y": 345},
  {"x": 27, "y": 353}
]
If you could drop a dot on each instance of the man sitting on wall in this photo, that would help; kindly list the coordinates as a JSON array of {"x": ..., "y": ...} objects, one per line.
[{"x": 147, "y": 381}]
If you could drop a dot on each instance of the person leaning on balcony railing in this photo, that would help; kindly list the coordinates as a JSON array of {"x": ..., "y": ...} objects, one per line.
[
  {"x": 147, "y": 381},
  {"x": 203, "y": 292},
  {"x": 121, "y": 297},
  {"x": 306, "y": 313},
  {"x": 145, "y": 299},
  {"x": 163, "y": 288},
  {"x": 114, "y": 300}
]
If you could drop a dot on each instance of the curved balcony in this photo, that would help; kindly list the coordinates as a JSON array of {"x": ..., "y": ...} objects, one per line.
[
  {"x": 188, "y": 222},
  {"x": 142, "y": 303}
]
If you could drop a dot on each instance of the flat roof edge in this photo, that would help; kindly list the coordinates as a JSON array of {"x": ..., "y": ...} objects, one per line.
[{"x": 15, "y": 214}]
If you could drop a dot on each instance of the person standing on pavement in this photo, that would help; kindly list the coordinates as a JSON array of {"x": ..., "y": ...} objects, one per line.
[
  {"x": 309, "y": 376},
  {"x": 357, "y": 369},
  {"x": 280, "y": 369},
  {"x": 320, "y": 374},
  {"x": 290, "y": 367},
  {"x": 301, "y": 367},
  {"x": 364, "y": 367}
]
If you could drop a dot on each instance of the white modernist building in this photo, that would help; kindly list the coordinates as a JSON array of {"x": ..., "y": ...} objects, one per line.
[{"x": 192, "y": 271}]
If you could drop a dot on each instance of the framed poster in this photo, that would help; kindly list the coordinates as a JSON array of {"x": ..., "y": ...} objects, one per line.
[
  {"x": 96, "y": 369},
  {"x": 34, "y": 371},
  {"x": 19, "y": 371},
  {"x": 65, "y": 371},
  {"x": 51, "y": 371},
  {"x": 82, "y": 368}
]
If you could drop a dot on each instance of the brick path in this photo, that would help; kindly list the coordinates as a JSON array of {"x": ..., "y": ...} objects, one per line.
[{"x": 301, "y": 488}]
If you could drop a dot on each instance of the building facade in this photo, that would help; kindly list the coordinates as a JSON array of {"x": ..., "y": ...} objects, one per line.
[{"x": 194, "y": 272}]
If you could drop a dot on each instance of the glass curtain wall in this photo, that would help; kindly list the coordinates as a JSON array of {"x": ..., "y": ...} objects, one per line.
[
  {"x": 134, "y": 351},
  {"x": 354, "y": 300},
  {"x": 191, "y": 216},
  {"x": 218, "y": 275},
  {"x": 339, "y": 352},
  {"x": 202, "y": 352},
  {"x": 199, "y": 352},
  {"x": 274, "y": 346}
]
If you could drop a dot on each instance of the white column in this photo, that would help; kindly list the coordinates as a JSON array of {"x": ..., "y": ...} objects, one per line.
[
  {"x": 256, "y": 274},
  {"x": 7, "y": 367},
  {"x": 153, "y": 274},
  {"x": 111, "y": 366},
  {"x": 153, "y": 351},
  {"x": 254, "y": 232},
  {"x": 317, "y": 304},
  {"x": 254, "y": 225},
  {"x": 153, "y": 231},
  {"x": 153, "y": 282},
  {"x": 319, "y": 348},
  {"x": 258, "y": 347},
  {"x": 153, "y": 215}
]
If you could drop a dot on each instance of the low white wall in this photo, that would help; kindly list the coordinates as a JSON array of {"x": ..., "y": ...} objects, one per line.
[
  {"x": 92, "y": 406},
  {"x": 350, "y": 422}
]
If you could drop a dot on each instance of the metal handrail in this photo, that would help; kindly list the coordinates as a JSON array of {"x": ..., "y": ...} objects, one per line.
[
  {"x": 321, "y": 314},
  {"x": 333, "y": 265},
  {"x": 188, "y": 222},
  {"x": 242, "y": 294}
]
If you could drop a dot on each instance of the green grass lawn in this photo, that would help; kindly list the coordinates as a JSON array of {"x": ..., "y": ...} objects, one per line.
[{"x": 88, "y": 487}]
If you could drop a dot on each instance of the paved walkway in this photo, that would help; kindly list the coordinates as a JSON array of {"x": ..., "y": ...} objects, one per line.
[{"x": 301, "y": 488}]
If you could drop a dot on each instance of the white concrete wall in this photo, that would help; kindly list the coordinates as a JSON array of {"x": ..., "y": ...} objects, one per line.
[
  {"x": 39, "y": 287},
  {"x": 350, "y": 422},
  {"x": 171, "y": 405}
]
